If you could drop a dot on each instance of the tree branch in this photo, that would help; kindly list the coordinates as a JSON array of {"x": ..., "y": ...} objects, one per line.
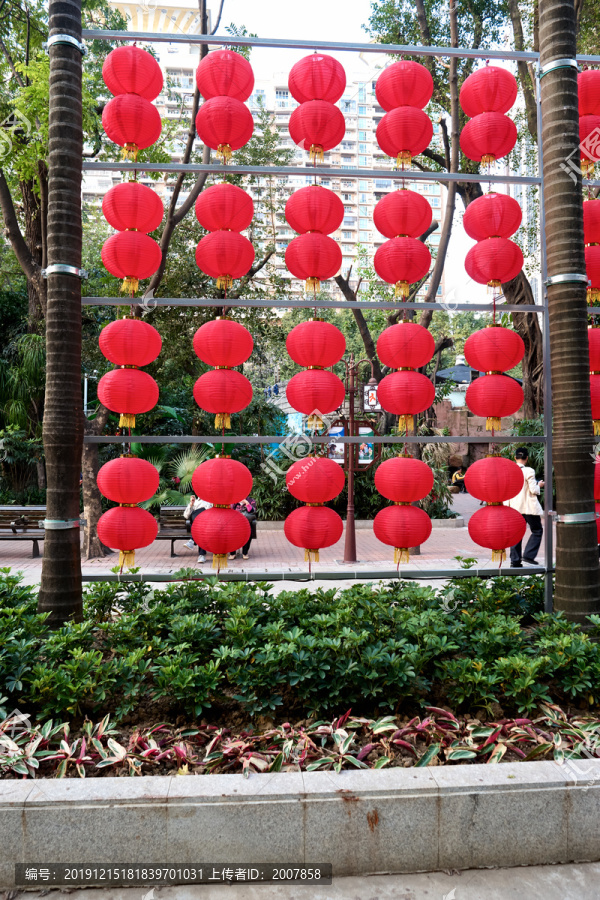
[
  {"x": 524, "y": 73},
  {"x": 214, "y": 31},
  {"x": 31, "y": 270},
  {"x": 11, "y": 64},
  {"x": 361, "y": 322}
]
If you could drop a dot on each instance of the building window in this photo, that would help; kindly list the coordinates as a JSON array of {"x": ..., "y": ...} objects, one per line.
[
  {"x": 363, "y": 123},
  {"x": 363, "y": 211},
  {"x": 363, "y": 185},
  {"x": 435, "y": 201},
  {"x": 364, "y": 236},
  {"x": 381, "y": 185},
  {"x": 348, "y": 209},
  {"x": 281, "y": 97},
  {"x": 362, "y": 135},
  {"x": 347, "y": 235},
  {"x": 362, "y": 161},
  {"x": 362, "y": 93},
  {"x": 347, "y": 197},
  {"x": 362, "y": 148},
  {"x": 364, "y": 223},
  {"x": 363, "y": 198}
]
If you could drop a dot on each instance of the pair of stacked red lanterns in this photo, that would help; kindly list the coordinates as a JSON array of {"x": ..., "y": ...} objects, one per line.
[
  {"x": 315, "y": 481},
  {"x": 406, "y": 392},
  {"x": 403, "y": 89},
  {"x": 588, "y": 89},
  {"x": 221, "y": 530},
  {"x": 129, "y": 343},
  {"x": 495, "y": 480},
  {"x": 314, "y": 212},
  {"x": 316, "y": 345},
  {"x": 224, "y": 344},
  {"x": 131, "y": 121},
  {"x": 591, "y": 236},
  {"x": 317, "y": 82},
  {"x": 487, "y": 95},
  {"x": 225, "y": 124}
]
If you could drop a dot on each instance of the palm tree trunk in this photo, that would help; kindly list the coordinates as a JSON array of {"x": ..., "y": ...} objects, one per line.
[
  {"x": 60, "y": 592},
  {"x": 577, "y": 586}
]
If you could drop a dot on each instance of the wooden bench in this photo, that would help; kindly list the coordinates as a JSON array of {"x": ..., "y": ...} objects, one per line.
[
  {"x": 20, "y": 523},
  {"x": 173, "y": 527}
]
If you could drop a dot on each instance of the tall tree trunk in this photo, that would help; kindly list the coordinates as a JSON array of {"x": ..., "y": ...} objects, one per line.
[
  {"x": 93, "y": 547},
  {"x": 577, "y": 585},
  {"x": 60, "y": 592},
  {"x": 519, "y": 291}
]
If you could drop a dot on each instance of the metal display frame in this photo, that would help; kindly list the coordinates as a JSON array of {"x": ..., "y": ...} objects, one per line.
[{"x": 354, "y": 174}]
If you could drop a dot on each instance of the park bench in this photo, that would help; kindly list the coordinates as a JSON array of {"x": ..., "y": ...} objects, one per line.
[
  {"x": 20, "y": 523},
  {"x": 173, "y": 527}
]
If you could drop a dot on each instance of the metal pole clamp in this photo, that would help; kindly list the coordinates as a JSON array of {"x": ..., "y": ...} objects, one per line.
[
  {"x": 558, "y": 64},
  {"x": 575, "y": 518},
  {"x": 63, "y": 269},
  {"x": 60, "y": 524},
  {"x": 65, "y": 39},
  {"x": 570, "y": 277}
]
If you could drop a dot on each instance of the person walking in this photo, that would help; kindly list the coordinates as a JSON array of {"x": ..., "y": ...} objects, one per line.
[
  {"x": 247, "y": 508},
  {"x": 192, "y": 510},
  {"x": 527, "y": 503}
]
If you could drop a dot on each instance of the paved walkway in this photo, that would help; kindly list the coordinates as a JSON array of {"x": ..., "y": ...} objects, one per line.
[
  {"x": 567, "y": 882},
  {"x": 271, "y": 552}
]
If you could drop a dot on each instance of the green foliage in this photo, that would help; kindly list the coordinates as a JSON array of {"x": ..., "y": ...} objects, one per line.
[{"x": 198, "y": 644}]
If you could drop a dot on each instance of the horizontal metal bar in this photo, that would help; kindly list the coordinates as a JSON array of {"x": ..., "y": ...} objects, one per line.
[
  {"x": 318, "y": 439},
  {"x": 391, "y": 305},
  {"x": 325, "y": 575},
  {"x": 354, "y": 174}
]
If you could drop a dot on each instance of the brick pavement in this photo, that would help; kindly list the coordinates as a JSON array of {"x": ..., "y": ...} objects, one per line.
[{"x": 271, "y": 552}]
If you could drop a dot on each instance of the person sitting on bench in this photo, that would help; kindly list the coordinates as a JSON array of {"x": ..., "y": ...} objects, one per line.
[{"x": 247, "y": 508}]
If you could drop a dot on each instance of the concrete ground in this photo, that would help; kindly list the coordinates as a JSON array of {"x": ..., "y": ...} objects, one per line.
[
  {"x": 271, "y": 552},
  {"x": 566, "y": 882}
]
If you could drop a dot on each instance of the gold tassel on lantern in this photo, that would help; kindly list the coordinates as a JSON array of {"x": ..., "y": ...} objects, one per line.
[
  {"x": 126, "y": 558},
  {"x": 224, "y": 281},
  {"x": 224, "y": 153},
  {"x": 587, "y": 167},
  {"x": 492, "y": 423},
  {"x": 222, "y": 420},
  {"x": 130, "y": 151},
  {"x": 316, "y": 153},
  {"x": 314, "y": 422},
  {"x": 219, "y": 560},
  {"x": 401, "y": 289},
  {"x": 130, "y": 286},
  {"x": 401, "y": 555},
  {"x": 405, "y": 423},
  {"x": 126, "y": 420},
  {"x": 403, "y": 159},
  {"x": 596, "y": 426},
  {"x": 498, "y": 556},
  {"x": 312, "y": 285},
  {"x": 311, "y": 556},
  {"x": 593, "y": 295},
  {"x": 488, "y": 158}
]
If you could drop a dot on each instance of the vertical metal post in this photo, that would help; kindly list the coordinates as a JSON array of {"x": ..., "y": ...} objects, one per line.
[
  {"x": 548, "y": 480},
  {"x": 350, "y": 538}
]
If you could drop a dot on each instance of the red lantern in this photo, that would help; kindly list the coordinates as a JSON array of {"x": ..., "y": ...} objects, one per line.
[
  {"x": 131, "y": 122},
  {"x": 404, "y": 83},
  {"x": 130, "y": 342},
  {"x": 131, "y": 255},
  {"x": 314, "y": 208},
  {"x": 222, "y": 481},
  {"x": 313, "y": 258},
  {"x": 223, "y": 392},
  {"x": 597, "y": 510},
  {"x": 497, "y": 527},
  {"x": 128, "y": 480},
  {"x": 401, "y": 262},
  {"x": 494, "y": 396},
  {"x": 224, "y": 207},
  {"x": 225, "y": 125},
  {"x": 222, "y": 342},
  {"x": 404, "y": 132},
  {"x": 405, "y": 346},
  {"x": 488, "y": 137},
  {"x": 131, "y": 205},
  {"x": 592, "y": 267},
  {"x": 127, "y": 529},
  {"x": 405, "y": 394},
  {"x": 493, "y": 215},
  {"x": 225, "y": 73},
  {"x": 313, "y": 527},
  {"x": 403, "y": 479},
  {"x": 402, "y": 214},
  {"x": 402, "y": 527},
  {"x": 589, "y": 133},
  {"x": 594, "y": 345},
  {"x": 588, "y": 88},
  {"x": 317, "y": 77},
  {"x": 494, "y": 262},
  {"x": 316, "y": 343},
  {"x": 131, "y": 70},
  {"x": 494, "y": 349},
  {"x": 315, "y": 479},
  {"x": 317, "y": 126},
  {"x": 490, "y": 89},
  {"x": 494, "y": 479},
  {"x": 220, "y": 531},
  {"x": 225, "y": 255},
  {"x": 314, "y": 392},
  {"x": 128, "y": 392},
  {"x": 595, "y": 396},
  {"x": 591, "y": 221}
]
